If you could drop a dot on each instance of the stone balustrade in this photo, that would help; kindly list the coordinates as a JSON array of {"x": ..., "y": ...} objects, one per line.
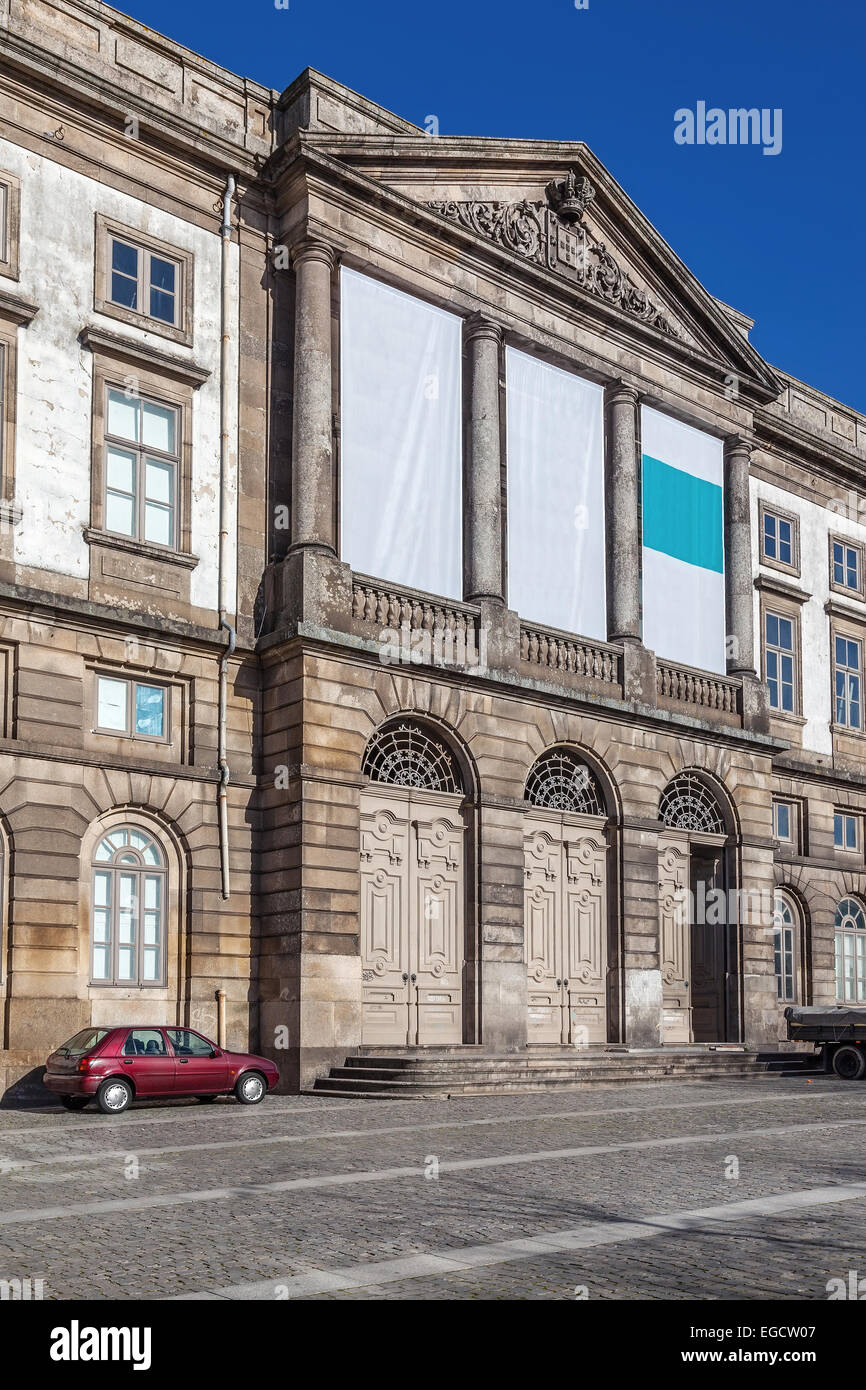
[
  {"x": 575, "y": 656},
  {"x": 682, "y": 685}
]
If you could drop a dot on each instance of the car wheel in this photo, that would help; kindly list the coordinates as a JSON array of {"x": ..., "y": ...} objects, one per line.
[
  {"x": 849, "y": 1063},
  {"x": 74, "y": 1102},
  {"x": 206, "y": 1100},
  {"x": 251, "y": 1088},
  {"x": 114, "y": 1095}
]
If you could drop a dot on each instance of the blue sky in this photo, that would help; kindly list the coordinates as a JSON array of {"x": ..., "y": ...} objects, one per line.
[{"x": 779, "y": 236}]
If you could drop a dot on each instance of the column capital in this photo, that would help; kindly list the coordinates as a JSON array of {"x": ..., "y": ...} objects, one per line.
[
  {"x": 312, "y": 249},
  {"x": 739, "y": 444},
  {"x": 621, "y": 393},
  {"x": 478, "y": 325}
]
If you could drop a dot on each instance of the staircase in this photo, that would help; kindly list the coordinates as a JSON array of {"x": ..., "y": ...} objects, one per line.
[{"x": 442, "y": 1072}]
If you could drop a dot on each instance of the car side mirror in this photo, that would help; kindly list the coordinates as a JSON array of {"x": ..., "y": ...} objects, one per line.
[{"x": 215, "y": 1052}]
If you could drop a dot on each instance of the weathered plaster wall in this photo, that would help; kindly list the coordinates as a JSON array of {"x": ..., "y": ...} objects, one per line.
[{"x": 57, "y": 250}]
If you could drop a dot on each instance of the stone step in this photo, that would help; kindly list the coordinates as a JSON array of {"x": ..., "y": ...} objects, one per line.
[{"x": 431, "y": 1072}]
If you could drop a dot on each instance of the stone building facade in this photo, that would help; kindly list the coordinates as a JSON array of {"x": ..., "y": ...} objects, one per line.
[{"x": 377, "y": 812}]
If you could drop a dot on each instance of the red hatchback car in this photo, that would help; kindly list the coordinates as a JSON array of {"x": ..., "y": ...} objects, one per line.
[{"x": 120, "y": 1065}]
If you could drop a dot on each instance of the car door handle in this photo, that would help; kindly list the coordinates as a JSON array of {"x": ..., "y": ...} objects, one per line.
[
  {"x": 183, "y": 1061},
  {"x": 128, "y": 1061}
]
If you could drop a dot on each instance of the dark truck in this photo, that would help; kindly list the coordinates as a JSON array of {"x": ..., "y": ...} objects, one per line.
[{"x": 839, "y": 1030}]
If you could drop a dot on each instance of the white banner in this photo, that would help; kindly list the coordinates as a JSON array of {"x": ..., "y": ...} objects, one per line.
[
  {"x": 683, "y": 542},
  {"x": 401, "y": 457},
  {"x": 556, "y": 528}
]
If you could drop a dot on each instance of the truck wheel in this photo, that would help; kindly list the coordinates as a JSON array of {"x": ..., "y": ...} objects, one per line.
[{"x": 849, "y": 1063}]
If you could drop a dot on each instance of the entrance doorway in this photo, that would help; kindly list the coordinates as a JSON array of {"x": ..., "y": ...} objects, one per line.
[
  {"x": 566, "y": 903},
  {"x": 412, "y": 909},
  {"x": 695, "y": 926}
]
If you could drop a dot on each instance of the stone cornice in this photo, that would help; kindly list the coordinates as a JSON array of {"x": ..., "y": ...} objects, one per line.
[
  {"x": 99, "y": 340},
  {"x": 16, "y": 310}
]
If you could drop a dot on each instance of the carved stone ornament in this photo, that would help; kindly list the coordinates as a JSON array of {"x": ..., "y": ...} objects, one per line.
[
  {"x": 570, "y": 197},
  {"x": 541, "y": 235}
]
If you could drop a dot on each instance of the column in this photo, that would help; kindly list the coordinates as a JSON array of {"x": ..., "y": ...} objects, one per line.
[
  {"x": 624, "y": 545},
  {"x": 739, "y": 586},
  {"x": 483, "y": 491},
  {"x": 312, "y": 433}
]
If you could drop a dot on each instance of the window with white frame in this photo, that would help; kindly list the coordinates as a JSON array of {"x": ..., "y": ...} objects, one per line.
[
  {"x": 144, "y": 282},
  {"x": 846, "y": 560},
  {"x": 778, "y": 538},
  {"x": 850, "y": 952},
  {"x": 142, "y": 467},
  {"x": 785, "y": 823},
  {"x": 128, "y": 922},
  {"x": 780, "y": 657},
  {"x": 785, "y": 947},
  {"x": 131, "y": 708},
  {"x": 846, "y": 830},
  {"x": 847, "y": 665}
]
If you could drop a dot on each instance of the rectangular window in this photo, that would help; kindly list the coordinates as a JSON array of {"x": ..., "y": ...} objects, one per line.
[
  {"x": 142, "y": 458},
  {"x": 779, "y": 662},
  {"x": 778, "y": 538},
  {"x": 10, "y": 204},
  {"x": 847, "y": 566},
  {"x": 846, "y": 831},
  {"x": 144, "y": 282},
  {"x": 783, "y": 821},
  {"x": 401, "y": 471},
  {"x": 555, "y": 433},
  {"x": 847, "y": 676},
  {"x": 132, "y": 708}
]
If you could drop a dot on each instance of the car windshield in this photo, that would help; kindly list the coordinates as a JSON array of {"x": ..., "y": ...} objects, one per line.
[{"x": 83, "y": 1042}]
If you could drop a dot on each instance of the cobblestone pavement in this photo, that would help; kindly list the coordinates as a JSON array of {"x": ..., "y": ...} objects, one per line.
[{"x": 749, "y": 1189}]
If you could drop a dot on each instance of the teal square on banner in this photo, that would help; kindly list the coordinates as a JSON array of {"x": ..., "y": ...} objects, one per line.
[{"x": 682, "y": 515}]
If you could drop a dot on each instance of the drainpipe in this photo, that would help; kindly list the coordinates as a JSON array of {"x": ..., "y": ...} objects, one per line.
[
  {"x": 222, "y": 794},
  {"x": 221, "y": 1018}
]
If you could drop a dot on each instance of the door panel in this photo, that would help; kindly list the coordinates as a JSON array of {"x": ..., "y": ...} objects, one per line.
[
  {"x": 412, "y": 927},
  {"x": 148, "y": 1062},
  {"x": 586, "y": 935},
  {"x": 197, "y": 1072},
  {"x": 565, "y": 922},
  {"x": 709, "y": 945},
  {"x": 674, "y": 931},
  {"x": 542, "y": 918}
]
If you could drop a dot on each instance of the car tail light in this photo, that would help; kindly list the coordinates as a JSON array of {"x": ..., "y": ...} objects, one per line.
[{"x": 84, "y": 1064}]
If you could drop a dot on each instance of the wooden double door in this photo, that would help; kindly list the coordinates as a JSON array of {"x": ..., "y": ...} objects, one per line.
[
  {"x": 566, "y": 928},
  {"x": 696, "y": 937},
  {"x": 412, "y": 917}
]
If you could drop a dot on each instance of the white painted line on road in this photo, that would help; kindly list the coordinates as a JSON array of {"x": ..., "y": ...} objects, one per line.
[
  {"x": 35, "y": 1215},
  {"x": 462, "y": 1260}
]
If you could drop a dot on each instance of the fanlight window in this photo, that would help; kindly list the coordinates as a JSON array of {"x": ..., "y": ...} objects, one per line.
[
  {"x": 561, "y": 781},
  {"x": 407, "y": 756},
  {"x": 850, "y": 952},
  {"x": 687, "y": 804},
  {"x": 129, "y": 910}
]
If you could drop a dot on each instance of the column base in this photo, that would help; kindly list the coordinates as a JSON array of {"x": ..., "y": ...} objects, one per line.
[
  {"x": 309, "y": 586},
  {"x": 643, "y": 1008}
]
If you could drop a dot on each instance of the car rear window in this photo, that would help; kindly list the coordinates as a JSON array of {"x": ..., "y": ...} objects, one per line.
[{"x": 83, "y": 1042}]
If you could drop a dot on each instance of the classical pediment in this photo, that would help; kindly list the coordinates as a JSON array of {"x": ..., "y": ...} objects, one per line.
[
  {"x": 552, "y": 206},
  {"x": 554, "y": 234}
]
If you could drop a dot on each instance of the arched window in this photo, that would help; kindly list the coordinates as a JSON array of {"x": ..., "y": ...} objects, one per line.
[
  {"x": 129, "y": 909},
  {"x": 688, "y": 804},
  {"x": 406, "y": 755},
  {"x": 850, "y": 952},
  {"x": 785, "y": 918},
  {"x": 562, "y": 781}
]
